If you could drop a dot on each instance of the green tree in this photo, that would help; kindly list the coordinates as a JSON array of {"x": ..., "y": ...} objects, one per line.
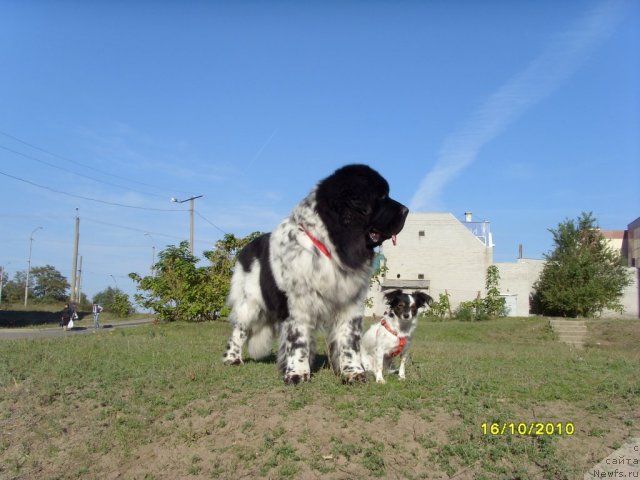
[
  {"x": 115, "y": 301},
  {"x": 13, "y": 290},
  {"x": 491, "y": 306},
  {"x": 181, "y": 290},
  {"x": 439, "y": 310},
  {"x": 380, "y": 270},
  {"x": 582, "y": 276},
  {"x": 106, "y": 297},
  {"x": 121, "y": 305},
  {"x": 494, "y": 305},
  {"x": 50, "y": 285}
]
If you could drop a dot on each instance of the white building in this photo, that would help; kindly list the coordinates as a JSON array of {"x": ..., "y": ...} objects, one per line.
[{"x": 439, "y": 254}]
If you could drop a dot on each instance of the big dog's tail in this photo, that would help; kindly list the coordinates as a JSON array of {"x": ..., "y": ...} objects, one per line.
[{"x": 260, "y": 342}]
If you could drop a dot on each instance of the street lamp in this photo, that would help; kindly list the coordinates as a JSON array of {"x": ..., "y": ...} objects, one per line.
[
  {"x": 153, "y": 252},
  {"x": 191, "y": 209},
  {"x": 2, "y": 270},
  {"x": 26, "y": 283}
]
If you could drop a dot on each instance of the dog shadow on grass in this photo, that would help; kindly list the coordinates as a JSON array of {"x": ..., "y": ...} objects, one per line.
[{"x": 320, "y": 361}]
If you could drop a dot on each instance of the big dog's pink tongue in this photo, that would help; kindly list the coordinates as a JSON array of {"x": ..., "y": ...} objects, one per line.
[{"x": 393, "y": 239}]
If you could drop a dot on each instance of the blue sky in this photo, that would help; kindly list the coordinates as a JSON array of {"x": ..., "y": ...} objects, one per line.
[{"x": 525, "y": 113}]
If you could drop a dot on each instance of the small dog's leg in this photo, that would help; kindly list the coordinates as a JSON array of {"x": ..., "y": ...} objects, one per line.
[
  {"x": 401, "y": 369},
  {"x": 379, "y": 365},
  {"x": 294, "y": 353},
  {"x": 344, "y": 348},
  {"x": 233, "y": 353}
]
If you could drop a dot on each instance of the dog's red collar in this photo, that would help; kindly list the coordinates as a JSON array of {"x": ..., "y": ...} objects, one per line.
[
  {"x": 321, "y": 246},
  {"x": 402, "y": 341}
]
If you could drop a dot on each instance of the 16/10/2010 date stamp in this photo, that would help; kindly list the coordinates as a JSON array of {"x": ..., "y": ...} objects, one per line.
[{"x": 528, "y": 428}]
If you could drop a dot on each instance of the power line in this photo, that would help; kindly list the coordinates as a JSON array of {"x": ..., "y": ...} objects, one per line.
[
  {"x": 209, "y": 222},
  {"x": 89, "y": 198},
  {"x": 133, "y": 229},
  {"x": 35, "y": 147},
  {"x": 53, "y": 165}
]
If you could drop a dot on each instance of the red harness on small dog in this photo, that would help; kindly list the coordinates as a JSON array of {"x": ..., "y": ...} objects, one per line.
[
  {"x": 402, "y": 341},
  {"x": 321, "y": 246}
]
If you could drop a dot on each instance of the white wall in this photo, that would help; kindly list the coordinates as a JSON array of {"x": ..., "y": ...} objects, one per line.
[
  {"x": 448, "y": 255},
  {"x": 630, "y": 297},
  {"x": 517, "y": 278}
]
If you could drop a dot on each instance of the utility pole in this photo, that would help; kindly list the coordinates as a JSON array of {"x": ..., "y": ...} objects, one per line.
[
  {"x": 75, "y": 259},
  {"x": 80, "y": 280},
  {"x": 191, "y": 210},
  {"x": 26, "y": 283}
]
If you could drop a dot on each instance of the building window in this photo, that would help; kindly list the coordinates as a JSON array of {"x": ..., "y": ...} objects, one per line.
[
  {"x": 421, "y": 233},
  {"x": 421, "y": 276},
  {"x": 398, "y": 276}
]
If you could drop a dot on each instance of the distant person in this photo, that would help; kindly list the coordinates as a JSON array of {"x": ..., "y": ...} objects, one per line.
[
  {"x": 66, "y": 316},
  {"x": 74, "y": 310},
  {"x": 97, "y": 309}
]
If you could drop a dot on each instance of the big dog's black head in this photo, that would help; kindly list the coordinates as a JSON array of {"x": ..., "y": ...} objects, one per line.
[{"x": 355, "y": 207}]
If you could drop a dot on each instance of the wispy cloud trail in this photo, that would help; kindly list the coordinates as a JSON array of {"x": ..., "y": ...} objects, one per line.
[
  {"x": 546, "y": 73},
  {"x": 257, "y": 155}
]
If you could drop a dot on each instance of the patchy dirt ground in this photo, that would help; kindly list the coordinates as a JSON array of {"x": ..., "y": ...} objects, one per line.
[
  {"x": 263, "y": 438},
  {"x": 113, "y": 417},
  {"x": 247, "y": 440}
]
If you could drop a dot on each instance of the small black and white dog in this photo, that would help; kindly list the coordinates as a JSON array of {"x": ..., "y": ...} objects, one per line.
[{"x": 391, "y": 337}]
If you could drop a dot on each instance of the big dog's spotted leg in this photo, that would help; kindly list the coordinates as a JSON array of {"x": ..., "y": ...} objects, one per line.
[
  {"x": 344, "y": 345},
  {"x": 296, "y": 350}
]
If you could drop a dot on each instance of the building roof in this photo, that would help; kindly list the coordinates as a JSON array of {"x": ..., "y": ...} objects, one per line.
[
  {"x": 614, "y": 234},
  {"x": 397, "y": 283}
]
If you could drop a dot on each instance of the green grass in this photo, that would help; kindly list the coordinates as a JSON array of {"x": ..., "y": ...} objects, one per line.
[{"x": 126, "y": 394}]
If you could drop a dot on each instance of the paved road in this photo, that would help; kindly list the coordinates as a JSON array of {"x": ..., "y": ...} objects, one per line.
[{"x": 17, "y": 333}]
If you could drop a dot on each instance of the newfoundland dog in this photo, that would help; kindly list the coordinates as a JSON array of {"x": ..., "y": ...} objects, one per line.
[{"x": 313, "y": 272}]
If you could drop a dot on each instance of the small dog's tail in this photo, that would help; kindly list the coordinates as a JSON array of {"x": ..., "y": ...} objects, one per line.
[{"x": 260, "y": 342}]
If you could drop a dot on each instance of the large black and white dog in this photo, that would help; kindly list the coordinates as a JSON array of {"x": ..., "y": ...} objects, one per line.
[{"x": 313, "y": 272}]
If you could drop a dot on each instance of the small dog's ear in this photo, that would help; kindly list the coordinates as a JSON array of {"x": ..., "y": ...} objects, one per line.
[
  {"x": 422, "y": 299},
  {"x": 391, "y": 296}
]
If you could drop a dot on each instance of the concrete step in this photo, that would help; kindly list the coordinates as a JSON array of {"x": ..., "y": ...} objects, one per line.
[
  {"x": 571, "y": 332},
  {"x": 567, "y": 323},
  {"x": 571, "y": 328},
  {"x": 571, "y": 338}
]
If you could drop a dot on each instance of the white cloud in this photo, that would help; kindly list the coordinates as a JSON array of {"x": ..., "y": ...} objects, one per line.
[{"x": 546, "y": 73}]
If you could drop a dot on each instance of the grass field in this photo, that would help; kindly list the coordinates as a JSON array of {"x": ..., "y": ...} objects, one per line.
[{"x": 155, "y": 402}]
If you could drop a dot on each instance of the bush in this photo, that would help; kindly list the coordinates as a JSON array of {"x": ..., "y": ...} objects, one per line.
[
  {"x": 491, "y": 306},
  {"x": 121, "y": 305},
  {"x": 179, "y": 289},
  {"x": 438, "y": 310},
  {"x": 473, "y": 310}
]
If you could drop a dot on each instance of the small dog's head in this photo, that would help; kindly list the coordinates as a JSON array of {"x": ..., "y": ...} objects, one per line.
[{"x": 404, "y": 305}]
